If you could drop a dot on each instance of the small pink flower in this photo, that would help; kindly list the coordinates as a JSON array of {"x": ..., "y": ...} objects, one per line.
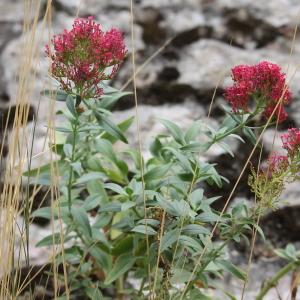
[
  {"x": 277, "y": 163},
  {"x": 264, "y": 82},
  {"x": 238, "y": 96},
  {"x": 243, "y": 73},
  {"x": 291, "y": 141},
  {"x": 85, "y": 56}
]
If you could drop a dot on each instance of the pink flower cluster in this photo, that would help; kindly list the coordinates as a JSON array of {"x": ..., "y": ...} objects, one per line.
[
  {"x": 291, "y": 141},
  {"x": 84, "y": 56},
  {"x": 277, "y": 163},
  {"x": 263, "y": 82}
]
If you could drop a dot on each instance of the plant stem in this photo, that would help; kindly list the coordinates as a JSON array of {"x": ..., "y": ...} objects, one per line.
[
  {"x": 120, "y": 288},
  {"x": 239, "y": 126},
  {"x": 72, "y": 160},
  {"x": 74, "y": 128},
  {"x": 219, "y": 138},
  {"x": 273, "y": 281}
]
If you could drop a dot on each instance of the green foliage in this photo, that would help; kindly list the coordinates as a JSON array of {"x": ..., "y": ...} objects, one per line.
[{"x": 127, "y": 217}]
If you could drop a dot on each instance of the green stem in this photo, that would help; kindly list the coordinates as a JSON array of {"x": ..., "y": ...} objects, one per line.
[
  {"x": 74, "y": 128},
  {"x": 120, "y": 288},
  {"x": 72, "y": 160},
  {"x": 241, "y": 125},
  {"x": 274, "y": 281}
]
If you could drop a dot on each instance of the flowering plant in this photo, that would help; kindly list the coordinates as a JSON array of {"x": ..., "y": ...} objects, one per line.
[{"x": 138, "y": 228}]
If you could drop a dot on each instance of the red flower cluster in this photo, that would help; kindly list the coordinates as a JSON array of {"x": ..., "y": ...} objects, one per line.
[
  {"x": 263, "y": 82},
  {"x": 84, "y": 56},
  {"x": 291, "y": 141}
]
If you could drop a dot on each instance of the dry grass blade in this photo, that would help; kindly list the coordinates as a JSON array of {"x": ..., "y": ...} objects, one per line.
[
  {"x": 12, "y": 185},
  {"x": 19, "y": 159},
  {"x": 139, "y": 138}
]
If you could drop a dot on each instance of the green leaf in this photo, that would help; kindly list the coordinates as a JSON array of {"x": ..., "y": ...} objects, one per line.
[
  {"x": 260, "y": 231},
  {"x": 289, "y": 253},
  {"x": 116, "y": 188},
  {"x": 228, "y": 122},
  {"x": 208, "y": 216},
  {"x": 97, "y": 187},
  {"x": 151, "y": 222},
  {"x": 94, "y": 293},
  {"x": 91, "y": 202},
  {"x": 68, "y": 150},
  {"x": 126, "y": 205},
  {"x": 180, "y": 276},
  {"x": 167, "y": 205},
  {"x": 196, "y": 294},
  {"x": 157, "y": 172},
  {"x": 103, "y": 260},
  {"x": 188, "y": 241},
  {"x": 237, "y": 137},
  {"x": 135, "y": 155},
  {"x": 291, "y": 250},
  {"x": 122, "y": 264},
  {"x": 58, "y": 95},
  {"x": 42, "y": 179},
  {"x": 44, "y": 212},
  {"x": 123, "y": 126},
  {"x": 123, "y": 245},
  {"x": 108, "y": 101},
  {"x": 62, "y": 129},
  {"x": 77, "y": 167},
  {"x": 183, "y": 160},
  {"x": 110, "y": 127},
  {"x": 144, "y": 229},
  {"x": 70, "y": 102},
  {"x": 168, "y": 239},
  {"x": 230, "y": 296},
  {"x": 226, "y": 147},
  {"x": 193, "y": 147},
  {"x": 89, "y": 177},
  {"x": 156, "y": 147},
  {"x": 52, "y": 239},
  {"x": 39, "y": 170},
  {"x": 231, "y": 268},
  {"x": 249, "y": 135},
  {"x": 195, "y": 229},
  {"x": 193, "y": 131},
  {"x": 196, "y": 198},
  {"x": 111, "y": 207},
  {"x": 174, "y": 130},
  {"x": 178, "y": 208},
  {"x": 81, "y": 221},
  {"x": 105, "y": 148}
]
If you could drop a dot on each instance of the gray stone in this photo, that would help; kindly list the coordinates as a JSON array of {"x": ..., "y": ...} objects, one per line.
[
  {"x": 14, "y": 10},
  {"x": 276, "y": 12}
]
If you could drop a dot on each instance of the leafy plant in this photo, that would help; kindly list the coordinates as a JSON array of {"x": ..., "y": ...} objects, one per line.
[{"x": 127, "y": 219}]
